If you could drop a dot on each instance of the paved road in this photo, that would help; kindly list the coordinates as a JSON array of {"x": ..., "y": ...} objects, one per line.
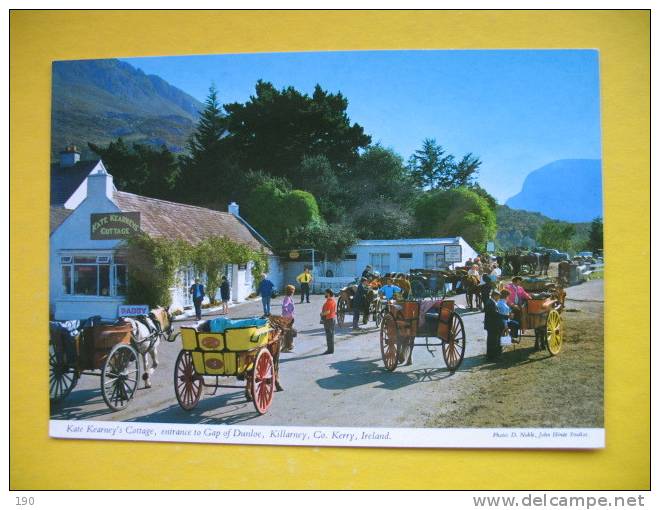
[{"x": 348, "y": 388}]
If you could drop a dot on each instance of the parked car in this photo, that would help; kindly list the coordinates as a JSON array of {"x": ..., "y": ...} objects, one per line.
[
  {"x": 556, "y": 255},
  {"x": 585, "y": 254}
]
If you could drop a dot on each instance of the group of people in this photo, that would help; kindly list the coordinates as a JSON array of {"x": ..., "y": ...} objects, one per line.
[
  {"x": 502, "y": 310},
  {"x": 198, "y": 291}
]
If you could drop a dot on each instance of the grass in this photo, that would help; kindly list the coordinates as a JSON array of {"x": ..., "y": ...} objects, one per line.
[{"x": 533, "y": 389}]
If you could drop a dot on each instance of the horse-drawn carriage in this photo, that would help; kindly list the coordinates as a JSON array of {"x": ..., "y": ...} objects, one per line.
[
  {"x": 543, "y": 315},
  {"x": 407, "y": 320},
  {"x": 94, "y": 347},
  {"x": 247, "y": 349},
  {"x": 347, "y": 295},
  {"x": 109, "y": 349},
  {"x": 428, "y": 283}
]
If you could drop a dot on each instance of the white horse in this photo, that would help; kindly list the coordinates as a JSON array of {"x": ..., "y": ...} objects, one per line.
[{"x": 146, "y": 335}]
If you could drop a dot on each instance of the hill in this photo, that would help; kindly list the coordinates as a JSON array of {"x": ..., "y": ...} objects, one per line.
[
  {"x": 517, "y": 228},
  {"x": 568, "y": 190},
  {"x": 100, "y": 100}
]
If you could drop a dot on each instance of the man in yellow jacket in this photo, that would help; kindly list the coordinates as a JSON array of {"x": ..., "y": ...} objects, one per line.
[{"x": 304, "y": 278}]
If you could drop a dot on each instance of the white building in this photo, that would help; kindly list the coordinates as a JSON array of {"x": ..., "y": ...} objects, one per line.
[{"x": 88, "y": 275}]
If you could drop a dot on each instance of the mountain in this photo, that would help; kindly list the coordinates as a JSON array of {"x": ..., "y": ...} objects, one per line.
[
  {"x": 567, "y": 189},
  {"x": 100, "y": 100}
]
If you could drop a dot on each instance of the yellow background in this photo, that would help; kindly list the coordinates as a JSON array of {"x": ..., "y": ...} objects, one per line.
[{"x": 623, "y": 39}]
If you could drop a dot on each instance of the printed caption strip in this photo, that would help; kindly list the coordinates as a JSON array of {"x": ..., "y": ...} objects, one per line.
[{"x": 586, "y": 438}]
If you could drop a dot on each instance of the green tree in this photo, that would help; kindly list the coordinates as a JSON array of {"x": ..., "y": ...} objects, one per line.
[
  {"x": 316, "y": 175},
  {"x": 556, "y": 234},
  {"x": 152, "y": 266},
  {"x": 596, "y": 235},
  {"x": 332, "y": 240},
  {"x": 456, "y": 212},
  {"x": 275, "y": 212},
  {"x": 140, "y": 169},
  {"x": 275, "y": 129},
  {"x": 433, "y": 168},
  {"x": 209, "y": 168}
]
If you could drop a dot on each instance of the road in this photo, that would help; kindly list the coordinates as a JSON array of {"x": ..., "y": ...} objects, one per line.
[{"x": 347, "y": 388}]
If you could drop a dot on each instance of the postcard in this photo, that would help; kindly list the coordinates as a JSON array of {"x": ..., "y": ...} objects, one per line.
[{"x": 359, "y": 248}]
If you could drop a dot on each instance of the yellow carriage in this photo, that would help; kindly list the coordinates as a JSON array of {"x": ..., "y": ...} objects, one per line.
[
  {"x": 543, "y": 315},
  {"x": 247, "y": 349}
]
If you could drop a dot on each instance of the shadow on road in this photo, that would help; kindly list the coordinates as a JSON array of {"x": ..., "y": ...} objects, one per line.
[
  {"x": 71, "y": 408},
  {"x": 223, "y": 408},
  {"x": 358, "y": 372}
]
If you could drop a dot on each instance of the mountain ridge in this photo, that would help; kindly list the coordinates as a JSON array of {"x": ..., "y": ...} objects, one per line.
[
  {"x": 99, "y": 100},
  {"x": 565, "y": 189}
]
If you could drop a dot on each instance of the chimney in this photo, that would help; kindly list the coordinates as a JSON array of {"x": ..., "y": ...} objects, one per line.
[
  {"x": 69, "y": 156},
  {"x": 233, "y": 209},
  {"x": 99, "y": 184}
]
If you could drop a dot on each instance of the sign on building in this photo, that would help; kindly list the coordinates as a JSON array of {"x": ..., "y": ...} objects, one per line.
[
  {"x": 132, "y": 310},
  {"x": 453, "y": 253},
  {"x": 114, "y": 225}
]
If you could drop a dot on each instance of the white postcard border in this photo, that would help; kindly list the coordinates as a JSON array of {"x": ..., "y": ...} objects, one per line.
[{"x": 375, "y": 437}]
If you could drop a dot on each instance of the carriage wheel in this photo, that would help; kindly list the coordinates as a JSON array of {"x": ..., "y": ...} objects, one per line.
[
  {"x": 388, "y": 342},
  {"x": 554, "y": 330},
  {"x": 187, "y": 383},
  {"x": 378, "y": 316},
  {"x": 62, "y": 378},
  {"x": 342, "y": 308},
  {"x": 453, "y": 348},
  {"x": 120, "y": 376},
  {"x": 262, "y": 382}
]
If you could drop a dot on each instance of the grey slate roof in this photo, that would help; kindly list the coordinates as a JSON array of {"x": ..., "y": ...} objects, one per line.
[
  {"x": 64, "y": 181},
  {"x": 57, "y": 216},
  {"x": 171, "y": 220}
]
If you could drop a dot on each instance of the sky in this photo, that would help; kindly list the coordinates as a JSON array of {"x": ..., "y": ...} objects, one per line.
[{"x": 517, "y": 110}]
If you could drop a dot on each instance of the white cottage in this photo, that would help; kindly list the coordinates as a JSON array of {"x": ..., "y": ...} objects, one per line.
[{"x": 87, "y": 273}]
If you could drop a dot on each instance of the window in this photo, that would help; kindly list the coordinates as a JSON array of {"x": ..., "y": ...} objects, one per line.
[
  {"x": 89, "y": 275},
  {"x": 350, "y": 256},
  {"x": 405, "y": 255},
  {"x": 380, "y": 262},
  {"x": 434, "y": 260}
]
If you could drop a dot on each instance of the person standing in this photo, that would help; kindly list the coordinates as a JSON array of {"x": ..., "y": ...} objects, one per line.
[
  {"x": 304, "y": 278},
  {"x": 197, "y": 292},
  {"x": 224, "y": 294},
  {"x": 359, "y": 300},
  {"x": 496, "y": 272},
  {"x": 288, "y": 311},
  {"x": 265, "y": 290},
  {"x": 493, "y": 324},
  {"x": 328, "y": 315}
]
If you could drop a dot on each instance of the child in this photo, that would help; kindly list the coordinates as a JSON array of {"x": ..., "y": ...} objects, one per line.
[
  {"x": 328, "y": 315},
  {"x": 504, "y": 309},
  {"x": 288, "y": 309}
]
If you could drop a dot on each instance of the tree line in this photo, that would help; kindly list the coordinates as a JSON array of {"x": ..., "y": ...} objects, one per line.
[{"x": 306, "y": 176}]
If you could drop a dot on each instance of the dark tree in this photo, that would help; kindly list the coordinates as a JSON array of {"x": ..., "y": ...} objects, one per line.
[
  {"x": 596, "y": 235},
  {"x": 140, "y": 169},
  {"x": 275, "y": 129}
]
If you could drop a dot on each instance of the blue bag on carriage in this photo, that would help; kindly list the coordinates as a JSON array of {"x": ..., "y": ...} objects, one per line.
[{"x": 221, "y": 324}]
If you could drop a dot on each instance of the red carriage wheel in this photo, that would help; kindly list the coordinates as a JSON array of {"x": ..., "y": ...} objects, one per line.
[
  {"x": 262, "y": 381},
  {"x": 388, "y": 342},
  {"x": 187, "y": 383},
  {"x": 453, "y": 347}
]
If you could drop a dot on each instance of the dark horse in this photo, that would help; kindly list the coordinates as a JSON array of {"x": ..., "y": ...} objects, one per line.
[{"x": 517, "y": 261}]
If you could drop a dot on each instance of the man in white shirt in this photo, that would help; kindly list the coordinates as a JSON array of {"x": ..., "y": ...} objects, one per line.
[{"x": 495, "y": 273}]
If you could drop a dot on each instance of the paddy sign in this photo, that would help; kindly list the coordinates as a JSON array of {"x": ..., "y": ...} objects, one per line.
[{"x": 107, "y": 226}]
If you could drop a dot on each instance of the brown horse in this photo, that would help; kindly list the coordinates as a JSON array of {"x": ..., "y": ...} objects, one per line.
[{"x": 472, "y": 289}]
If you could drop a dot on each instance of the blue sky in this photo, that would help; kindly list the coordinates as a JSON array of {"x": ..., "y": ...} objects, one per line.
[{"x": 516, "y": 109}]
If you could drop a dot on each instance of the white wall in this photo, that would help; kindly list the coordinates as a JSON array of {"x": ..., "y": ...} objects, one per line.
[{"x": 73, "y": 236}]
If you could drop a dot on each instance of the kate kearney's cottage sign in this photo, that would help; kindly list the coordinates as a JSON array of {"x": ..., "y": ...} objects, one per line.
[{"x": 114, "y": 225}]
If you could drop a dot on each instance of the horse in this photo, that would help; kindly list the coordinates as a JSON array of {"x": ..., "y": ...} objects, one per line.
[
  {"x": 472, "y": 289},
  {"x": 147, "y": 333}
]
